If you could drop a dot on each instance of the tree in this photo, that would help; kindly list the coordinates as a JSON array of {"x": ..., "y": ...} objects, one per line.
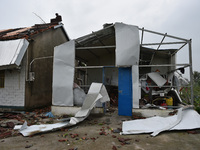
[
  {"x": 185, "y": 94},
  {"x": 197, "y": 77}
]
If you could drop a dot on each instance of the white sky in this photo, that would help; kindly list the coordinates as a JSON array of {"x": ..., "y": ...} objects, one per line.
[{"x": 80, "y": 17}]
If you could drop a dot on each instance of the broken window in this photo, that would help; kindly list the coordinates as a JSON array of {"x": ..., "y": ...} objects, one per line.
[{"x": 2, "y": 78}]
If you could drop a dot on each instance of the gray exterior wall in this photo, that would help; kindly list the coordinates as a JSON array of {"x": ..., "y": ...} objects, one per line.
[{"x": 38, "y": 93}]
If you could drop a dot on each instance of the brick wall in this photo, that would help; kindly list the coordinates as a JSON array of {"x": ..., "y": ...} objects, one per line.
[{"x": 14, "y": 88}]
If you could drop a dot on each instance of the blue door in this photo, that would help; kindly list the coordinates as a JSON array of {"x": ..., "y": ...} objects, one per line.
[{"x": 125, "y": 91}]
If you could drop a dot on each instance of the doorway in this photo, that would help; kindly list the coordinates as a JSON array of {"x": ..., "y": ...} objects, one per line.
[{"x": 125, "y": 91}]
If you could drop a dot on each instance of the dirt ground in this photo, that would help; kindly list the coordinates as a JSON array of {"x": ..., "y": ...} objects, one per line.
[{"x": 102, "y": 132}]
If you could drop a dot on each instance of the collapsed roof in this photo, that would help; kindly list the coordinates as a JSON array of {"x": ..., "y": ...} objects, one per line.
[{"x": 14, "y": 42}]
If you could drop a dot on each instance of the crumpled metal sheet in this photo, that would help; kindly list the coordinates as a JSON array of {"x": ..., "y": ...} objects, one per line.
[
  {"x": 185, "y": 119},
  {"x": 88, "y": 105},
  {"x": 12, "y": 51},
  {"x": 63, "y": 74},
  {"x": 157, "y": 78},
  {"x": 127, "y": 44}
]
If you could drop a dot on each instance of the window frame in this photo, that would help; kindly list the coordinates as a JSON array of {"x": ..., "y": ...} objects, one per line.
[{"x": 2, "y": 78}]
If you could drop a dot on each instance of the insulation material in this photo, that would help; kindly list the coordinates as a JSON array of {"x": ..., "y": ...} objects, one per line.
[
  {"x": 88, "y": 105},
  {"x": 127, "y": 44},
  {"x": 79, "y": 96},
  {"x": 135, "y": 84},
  {"x": 12, "y": 51},
  {"x": 186, "y": 119},
  {"x": 63, "y": 74}
]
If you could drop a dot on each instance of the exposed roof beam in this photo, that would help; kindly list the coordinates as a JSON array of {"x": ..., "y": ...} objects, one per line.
[
  {"x": 100, "y": 41},
  {"x": 165, "y": 65},
  {"x": 162, "y": 41},
  {"x": 142, "y": 35},
  {"x": 147, "y": 44},
  {"x": 95, "y": 47},
  {"x": 164, "y": 34},
  {"x": 88, "y": 50},
  {"x": 179, "y": 49}
]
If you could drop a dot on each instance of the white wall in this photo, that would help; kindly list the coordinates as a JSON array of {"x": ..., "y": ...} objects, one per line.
[{"x": 13, "y": 93}]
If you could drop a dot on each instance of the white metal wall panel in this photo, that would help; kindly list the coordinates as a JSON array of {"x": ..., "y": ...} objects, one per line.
[
  {"x": 135, "y": 86},
  {"x": 127, "y": 44},
  {"x": 63, "y": 74}
]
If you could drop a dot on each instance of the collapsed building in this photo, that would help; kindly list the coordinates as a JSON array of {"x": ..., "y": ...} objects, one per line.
[{"x": 134, "y": 72}]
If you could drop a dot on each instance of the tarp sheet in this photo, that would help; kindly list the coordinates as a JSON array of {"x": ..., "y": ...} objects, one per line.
[
  {"x": 127, "y": 44},
  {"x": 88, "y": 104},
  {"x": 12, "y": 52},
  {"x": 185, "y": 119},
  {"x": 63, "y": 74}
]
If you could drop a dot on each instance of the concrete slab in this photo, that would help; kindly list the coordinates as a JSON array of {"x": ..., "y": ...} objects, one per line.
[{"x": 152, "y": 112}]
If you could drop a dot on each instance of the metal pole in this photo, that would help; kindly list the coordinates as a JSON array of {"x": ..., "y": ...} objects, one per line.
[
  {"x": 191, "y": 71},
  {"x": 142, "y": 35},
  {"x": 165, "y": 65},
  {"x": 147, "y": 44},
  {"x": 162, "y": 41},
  {"x": 38, "y": 59},
  {"x": 157, "y": 48},
  {"x": 103, "y": 75},
  {"x": 95, "y": 47},
  {"x": 89, "y": 67},
  {"x": 179, "y": 49},
  {"x": 94, "y": 67},
  {"x": 164, "y": 34}
]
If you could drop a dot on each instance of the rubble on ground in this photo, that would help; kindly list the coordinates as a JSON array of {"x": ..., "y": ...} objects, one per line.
[{"x": 9, "y": 119}]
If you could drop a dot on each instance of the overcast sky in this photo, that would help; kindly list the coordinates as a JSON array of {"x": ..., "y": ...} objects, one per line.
[{"x": 80, "y": 17}]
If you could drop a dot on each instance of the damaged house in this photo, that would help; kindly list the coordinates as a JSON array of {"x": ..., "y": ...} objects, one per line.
[
  {"x": 26, "y": 64},
  {"x": 135, "y": 71},
  {"x": 116, "y": 64}
]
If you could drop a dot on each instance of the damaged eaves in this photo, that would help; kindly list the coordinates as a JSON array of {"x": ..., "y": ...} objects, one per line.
[
  {"x": 26, "y": 32},
  {"x": 181, "y": 41},
  {"x": 97, "y": 43},
  {"x": 105, "y": 39}
]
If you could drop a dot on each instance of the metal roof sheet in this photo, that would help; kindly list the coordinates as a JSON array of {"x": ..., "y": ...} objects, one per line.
[{"x": 12, "y": 52}]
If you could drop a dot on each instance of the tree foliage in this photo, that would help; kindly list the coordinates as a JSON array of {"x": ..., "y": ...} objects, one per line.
[
  {"x": 186, "y": 92},
  {"x": 196, "y": 78}
]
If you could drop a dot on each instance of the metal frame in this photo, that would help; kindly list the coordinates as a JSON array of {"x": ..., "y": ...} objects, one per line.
[{"x": 180, "y": 41}]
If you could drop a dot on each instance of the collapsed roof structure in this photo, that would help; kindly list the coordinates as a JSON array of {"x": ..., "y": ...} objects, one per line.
[{"x": 129, "y": 67}]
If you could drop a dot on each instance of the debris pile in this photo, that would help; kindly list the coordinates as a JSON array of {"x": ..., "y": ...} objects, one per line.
[{"x": 8, "y": 120}]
